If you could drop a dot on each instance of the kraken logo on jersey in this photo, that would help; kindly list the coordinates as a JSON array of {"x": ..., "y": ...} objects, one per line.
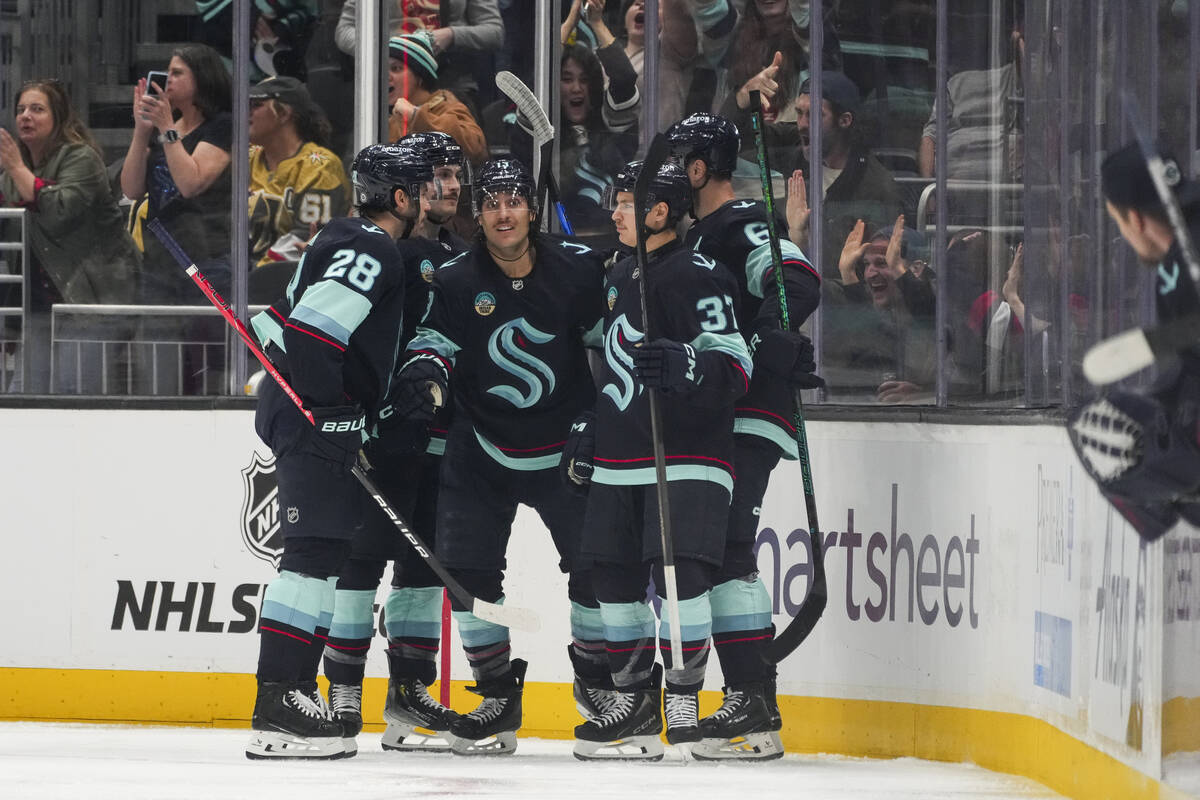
[
  {"x": 485, "y": 303},
  {"x": 505, "y": 347},
  {"x": 620, "y": 362},
  {"x": 260, "y": 510}
]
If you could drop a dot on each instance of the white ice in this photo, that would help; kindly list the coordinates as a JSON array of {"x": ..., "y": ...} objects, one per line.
[{"x": 98, "y": 762}]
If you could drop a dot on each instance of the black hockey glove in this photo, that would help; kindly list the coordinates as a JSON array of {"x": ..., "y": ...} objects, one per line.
[
  {"x": 576, "y": 464},
  {"x": 668, "y": 365},
  {"x": 420, "y": 387},
  {"x": 788, "y": 355},
  {"x": 397, "y": 437},
  {"x": 336, "y": 437}
]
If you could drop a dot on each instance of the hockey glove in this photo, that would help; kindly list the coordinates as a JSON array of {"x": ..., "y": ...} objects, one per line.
[
  {"x": 397, "y": 437},
  {"x": 668, "y": 365},
  {"x": 336, "y": 436},
  {"x": 788, "y": 355},
  {"x": 420, "y": 387},
  {"x": 576, "y": 464}
]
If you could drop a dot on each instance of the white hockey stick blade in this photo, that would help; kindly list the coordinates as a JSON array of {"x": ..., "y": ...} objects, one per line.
[
  {"x": 521, "y": 619},
  {"x": 1117, "y": 357},
  {"x": 527, "y": 104}
]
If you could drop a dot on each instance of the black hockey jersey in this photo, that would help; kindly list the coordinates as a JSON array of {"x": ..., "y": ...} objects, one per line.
[
  {"x": 337, "y": 329},
  {"x": 516, "y": 346},
  {"x": 692, "y": 299},
  {"x": 736, "y": 235}
]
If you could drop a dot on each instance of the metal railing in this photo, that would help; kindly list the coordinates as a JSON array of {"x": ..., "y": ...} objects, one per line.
[
  {"x": 14, "y": 300},
  {"x": 139, "y": 350}
]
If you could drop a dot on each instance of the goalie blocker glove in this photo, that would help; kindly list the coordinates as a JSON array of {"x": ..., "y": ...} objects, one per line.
[
  {"x": 667, "y": 365},
  {"x": 790, "y": 356},
  {"x": 576, "y": 464}
]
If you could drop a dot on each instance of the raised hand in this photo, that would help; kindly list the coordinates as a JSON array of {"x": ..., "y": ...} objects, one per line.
[
  {"x": 894, "y": 262},
  {"x": 764, "y": 82},
  {"x": 852, "y": 253},
  {"x": 798, "y": 211}
]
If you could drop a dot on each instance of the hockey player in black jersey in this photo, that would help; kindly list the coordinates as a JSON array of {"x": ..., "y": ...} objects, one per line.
[
  {"x": 700, "y": 364},
  {"x": 406, "y": 456},
  {"x": 734, "y": 232},
  {"x": 452, "y": 171},
  {"x": 334, "y": 336},
  {"x": 508, "y": 319}
]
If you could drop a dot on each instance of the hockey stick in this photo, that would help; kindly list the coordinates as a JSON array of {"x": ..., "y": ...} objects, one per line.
[
  {"x": 507, "y": 616},
  {"x": 543, "y": 135},
  {"x": 655, "y": 156},
  {"x": 1126, "y": 353},
  {"x": 814, "y": 604}
]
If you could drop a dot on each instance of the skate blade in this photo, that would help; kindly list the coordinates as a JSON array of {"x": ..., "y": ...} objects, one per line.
[
  {"x": 502, "y": 744},
  {"x": 350, "y": 746},
  {"x": 266, "y": 745},
  {"x": 631, "y": 748},
  {"x": 412, "y": 739},
  {"x": 751, "y": 747}
]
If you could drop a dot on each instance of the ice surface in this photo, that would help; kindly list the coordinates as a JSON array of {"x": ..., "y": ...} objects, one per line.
[{"x": 98, "y": 762}]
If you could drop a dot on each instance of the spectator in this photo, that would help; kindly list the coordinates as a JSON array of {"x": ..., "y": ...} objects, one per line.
[
  {"x": 419, "y": 106},
  {"x": 772, "y": 32},
  {"x": 179, "y": 160},
  {"x": 983, "y": 110},
  {"x": 280, "y": 34},
  {"x": 79, "y": 251},
  {"x": 857, "y": 186},
  {"x": 461, "y": 32},
  {"x": 882, "y": 336},
  {"x": 297, "y": 184}
]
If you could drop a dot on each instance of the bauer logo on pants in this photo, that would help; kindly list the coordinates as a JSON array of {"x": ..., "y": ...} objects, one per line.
[{"x": 260, "y": 510}]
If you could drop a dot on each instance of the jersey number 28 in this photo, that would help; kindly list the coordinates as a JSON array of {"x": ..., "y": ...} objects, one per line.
[{"x": 362, "y": 274}]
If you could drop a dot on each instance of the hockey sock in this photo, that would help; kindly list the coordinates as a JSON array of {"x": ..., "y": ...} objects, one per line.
[
  {"x": 485, "y": 644},
  {"x": 413, "y": 620},
  {"x": 629, "y": 635},
  {"x": 321, "y": 632},
  {"x": 350, "y": 635},
  {"x": 741, "y": 629},
  {"x": 695, "y": 623},
  {"x": 292, "y": 612},
  {"x": 587, "y": 644}
]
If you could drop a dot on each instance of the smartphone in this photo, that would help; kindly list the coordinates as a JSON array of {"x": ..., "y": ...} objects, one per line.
[{"x": 156, "y": 78}]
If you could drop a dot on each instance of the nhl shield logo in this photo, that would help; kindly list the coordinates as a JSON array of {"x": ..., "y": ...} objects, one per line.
[{"x": 260, "y": 510}]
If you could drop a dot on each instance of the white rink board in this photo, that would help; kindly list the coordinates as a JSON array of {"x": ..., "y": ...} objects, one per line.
[{"x": 1040, "y": 579}]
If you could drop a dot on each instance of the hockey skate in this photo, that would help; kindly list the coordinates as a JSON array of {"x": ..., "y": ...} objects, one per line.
[
  {"x": 415, "y": 720},
  {"x": 345, "y": 703},
  {"x": 741, "y": 729},
  {"x": 593, "y": 701},
  {"x": 491, "y": 729},
  {"x": 682, "y": 713},
  {"x": 291, "y": 720},
  {"x": 628, "y": 731}
]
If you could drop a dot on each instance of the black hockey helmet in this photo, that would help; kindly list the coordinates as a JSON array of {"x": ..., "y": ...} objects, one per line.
[
  {"x": 442, "y": 150},
  {"x": 708, "y": 137},
  {"x": 670, "y": 185},
  {"x": 503, "y": 175},
  {"x": 379, "y": 169}
]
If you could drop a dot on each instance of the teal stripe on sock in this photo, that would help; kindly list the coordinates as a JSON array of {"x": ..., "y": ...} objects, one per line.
[
  {"x": 627, "y": 622},
  {"x": 294, "y": 599},
  {"x": 476, "y": 632},
  {"x": 587, "y": 624},
  {"x": 740, "y": 605},
  {"x": 353, "y": 614},
  {"x": 695, "y": 619},
  {"x": 414, "y": 612}
]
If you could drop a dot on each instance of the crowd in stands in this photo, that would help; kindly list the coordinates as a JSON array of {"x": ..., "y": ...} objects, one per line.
[{"x": 882, "y": 280}]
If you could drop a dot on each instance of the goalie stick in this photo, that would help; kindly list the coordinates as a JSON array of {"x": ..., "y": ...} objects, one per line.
[
  {"x": 1133, "y": 350},
  {"x": 655, "y": 156},
  {"x": 508, "y": 616},
  {"x": 543, "y": 136},
  {"x": 814, "y": 604}
]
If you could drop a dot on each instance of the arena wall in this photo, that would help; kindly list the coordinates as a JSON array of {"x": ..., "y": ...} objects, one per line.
[{"x": 985, "y": 604}]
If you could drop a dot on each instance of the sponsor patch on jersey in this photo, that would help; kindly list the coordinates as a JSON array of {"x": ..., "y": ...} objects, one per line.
[
  {"x": 427, "y": 270},
  {"x": 260, "y": 510},
  {"x": 612, "y": 297},
  {"x": 485, "y": 303}
]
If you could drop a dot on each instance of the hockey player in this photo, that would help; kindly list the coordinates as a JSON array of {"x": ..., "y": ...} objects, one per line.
[
  {"x": 509, "y": 319},
  {"x": 334, "y": 337},
  {"x": 1141, "y": 448},
  {"x": 406, "y": 460},
  {"x": 734, "y": 232},
  {"x": 700, "y": 364},
  {"x": 452, "y": 171}
]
